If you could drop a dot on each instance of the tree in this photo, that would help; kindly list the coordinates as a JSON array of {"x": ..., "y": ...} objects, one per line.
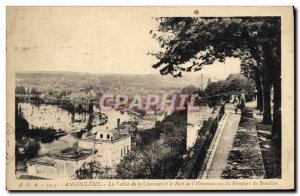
[
  {"x": 190, "y": 43},
  {"x": 190, "y": 89},
  {"x": 63, "y": 93},
  {"x": 234, "y": 84},
  {"x": 130, "y": 168},
  {"x": 91, "y": 170},
  {"x": 30, "y": 149},
  {"x": 161, "y": 155},
  {"x": 237, "y": 83},
  {"x": 20, "y": 90},
  {"x": 155, "y": 162},
  {"x": 21, "y": 124},
  {"x": 216, "y": 88},
  {"x": 34, "y": 91}
]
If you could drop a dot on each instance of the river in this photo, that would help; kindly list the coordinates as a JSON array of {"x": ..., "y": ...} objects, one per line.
[
  {"x": 58, "y": 118},
  {"x": 195, "y": 120}
]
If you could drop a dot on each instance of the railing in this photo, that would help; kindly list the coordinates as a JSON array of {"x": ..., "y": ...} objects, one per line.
[{"x": 194, "y": 160}]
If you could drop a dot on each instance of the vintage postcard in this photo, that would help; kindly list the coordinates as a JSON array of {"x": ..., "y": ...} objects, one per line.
[{"x": 150, "y": 98}]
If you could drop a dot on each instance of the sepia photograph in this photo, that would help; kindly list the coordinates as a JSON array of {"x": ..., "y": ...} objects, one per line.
[{"x": 145, "y": 98}]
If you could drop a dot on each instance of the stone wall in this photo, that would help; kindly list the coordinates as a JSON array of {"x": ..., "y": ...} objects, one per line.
[{"x": 197, "y": 154}]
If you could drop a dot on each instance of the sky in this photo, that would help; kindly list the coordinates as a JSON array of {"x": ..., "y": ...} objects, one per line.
[{"x": 88, "y": 40}]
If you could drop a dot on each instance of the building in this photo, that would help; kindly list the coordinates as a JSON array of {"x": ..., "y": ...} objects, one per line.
[
  {"x": 109, "y": 146},
  {"x": 58, "y": 165}
]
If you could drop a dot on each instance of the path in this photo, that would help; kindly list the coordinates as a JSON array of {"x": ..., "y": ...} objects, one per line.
[
  {"x": 220, "y": 148},
  {"x": 235, "y": 151}
]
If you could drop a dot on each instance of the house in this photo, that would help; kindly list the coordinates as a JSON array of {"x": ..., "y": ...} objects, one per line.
[
  {"x": 61, "y": 165},
  {"x": 110, "y": 146}
]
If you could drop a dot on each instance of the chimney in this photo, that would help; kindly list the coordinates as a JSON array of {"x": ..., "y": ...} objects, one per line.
[{"x": 118, "y": 124}]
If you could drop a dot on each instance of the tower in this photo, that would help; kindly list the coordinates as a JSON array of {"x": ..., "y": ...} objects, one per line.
[
  {"x": 209, "y": 81},
  {"x": 201, "y": 82}
]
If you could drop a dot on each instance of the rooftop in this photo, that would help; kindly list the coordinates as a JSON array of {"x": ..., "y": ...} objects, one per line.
[
  {"x": 71, "y": 154},
  {"x": 66, "y": 154},
  {"x": 42, "y": 160}
]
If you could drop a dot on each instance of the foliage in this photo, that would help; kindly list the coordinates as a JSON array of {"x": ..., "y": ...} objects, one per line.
[
  {"x": 46, "y": 134},
  {"x": 234, "y": 83},
  {"x": 22, "y": 126},
  {"x": 190, "y": 89},
  {"x": 20, "y": 90},
  {"x": 40, "y": 131},
  {"x": 189, "y": 43},
  {"x": 161, "y": 153},
  {"x": 34, "y": 92},
  {"x": 155, "y": 162},
  {"x": 90, "y": 170},
  {"x": 30, "y": 149}
]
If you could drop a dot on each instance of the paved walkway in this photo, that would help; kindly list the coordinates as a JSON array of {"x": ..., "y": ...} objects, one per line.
[{"x": 222, "y": 145}]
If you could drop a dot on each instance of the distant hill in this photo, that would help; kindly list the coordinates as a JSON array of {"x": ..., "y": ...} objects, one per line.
[{"x": 137, "y": 80}]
